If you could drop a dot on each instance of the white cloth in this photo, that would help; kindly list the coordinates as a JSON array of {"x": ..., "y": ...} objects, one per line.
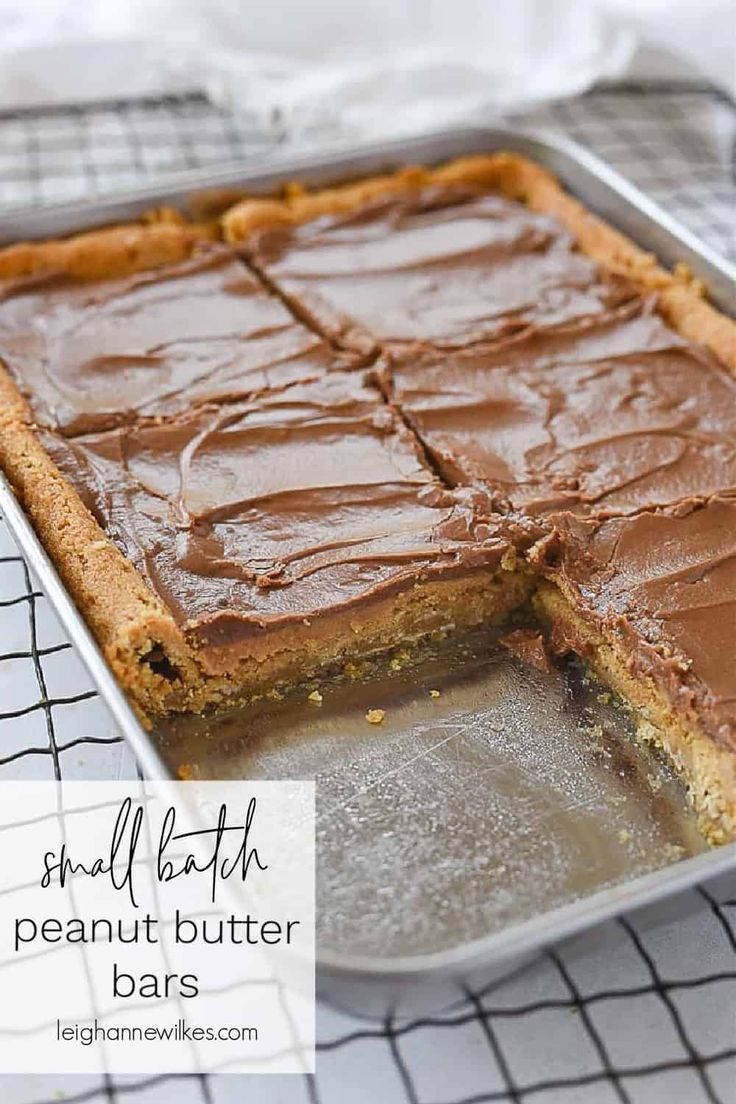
[
  {"x": 427, "y": 65},
  {"x": 352, "y": 70},
  {"x": 378, "y": 67}
]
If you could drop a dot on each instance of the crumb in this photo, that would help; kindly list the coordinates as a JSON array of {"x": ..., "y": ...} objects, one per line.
[
  {"x": 274, "y": 695},
  {"x": 509, "y": 560},
  {"x": 99, "y": 544},
  {"x": 375, "y": 716},
  {"x": 528, "y": 646},
  {"x": 315, "y": 697},
  {"x": 596, "y": 731},
  {"x": 624, "y": 836},
  {"x": 356, "y": 670},
  {"x": 604, "y": 698},
  {"x": 399, "y": 660},
  {"x": 434, "y": 693},
  {"x": 186, "y": 772},
  {"x": 655, "y": 783}
]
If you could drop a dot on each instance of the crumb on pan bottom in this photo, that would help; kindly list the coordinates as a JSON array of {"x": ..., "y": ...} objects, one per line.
[
  {"x": 708, "y": 771},
  {"x": 291, "y": 655}
]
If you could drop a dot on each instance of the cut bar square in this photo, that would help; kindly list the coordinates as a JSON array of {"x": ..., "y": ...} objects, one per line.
[
  {"x": 650, "y": 602},
  {"x": 606, "y": 416},
  {"x": 481, "y": 248},
  {"x": 288, "y": 532},
  {"x": 94, "y": 353},
  {"x": 446, "y": 264}
]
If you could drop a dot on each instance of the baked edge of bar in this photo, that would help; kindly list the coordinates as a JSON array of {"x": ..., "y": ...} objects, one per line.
[
  {"x": 680, "y": 297},
  {"x": 127, "y": 619},
  {"x": 98, "y": 254},
  {"x": 708, "y": 770}
]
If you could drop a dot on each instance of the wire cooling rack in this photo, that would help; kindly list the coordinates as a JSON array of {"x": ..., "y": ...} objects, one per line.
[
  {"x": 676, "y": 141},
  {"x": 640, "y": 1010}
]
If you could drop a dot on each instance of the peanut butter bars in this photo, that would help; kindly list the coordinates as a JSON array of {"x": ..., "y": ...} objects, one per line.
[{"x": 396, "y": 406}]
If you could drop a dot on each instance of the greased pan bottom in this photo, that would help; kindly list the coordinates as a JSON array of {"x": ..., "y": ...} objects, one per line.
[{"x": 503, "y": 795}]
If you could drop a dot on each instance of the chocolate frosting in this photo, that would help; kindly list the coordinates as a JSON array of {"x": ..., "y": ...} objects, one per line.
[
  {"x": 606, "y": 416},
  {"x": 448, "y": 265},
  {"x": 93, "y": 355},
  {"x": 665, "y": 582},
  {"x": 284, "y": 507},
  {"x": 200, "y": 417}
]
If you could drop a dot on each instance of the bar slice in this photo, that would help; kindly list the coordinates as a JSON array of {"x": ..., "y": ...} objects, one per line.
[
  {"x": 445, "y": 262},
  {"x": 93, "y": 353},
  {"x": 650, "y": 602},
  {"x": 276, "y": 536},
  {"x": 605, "y": 416},
  {"x": 452, "y": 285}
]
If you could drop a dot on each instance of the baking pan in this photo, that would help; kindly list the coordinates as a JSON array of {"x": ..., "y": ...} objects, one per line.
[{"x": 474, "y": 826}]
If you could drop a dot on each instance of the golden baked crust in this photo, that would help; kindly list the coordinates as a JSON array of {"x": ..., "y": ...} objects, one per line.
[
  {"x": 113, "y": 251},
  {"x": 130, "y": 624},
  {"x": 136, "y": 633},
  {"x": 680, "y": 297}
]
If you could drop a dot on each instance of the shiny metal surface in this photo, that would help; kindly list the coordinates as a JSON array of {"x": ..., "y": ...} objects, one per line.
[
  {"x": 512, "y": 792},
  {"x": 467, "y": 830}
]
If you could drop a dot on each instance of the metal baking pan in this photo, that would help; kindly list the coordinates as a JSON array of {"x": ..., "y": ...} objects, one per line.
[{"x": 472, "y": 828}]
